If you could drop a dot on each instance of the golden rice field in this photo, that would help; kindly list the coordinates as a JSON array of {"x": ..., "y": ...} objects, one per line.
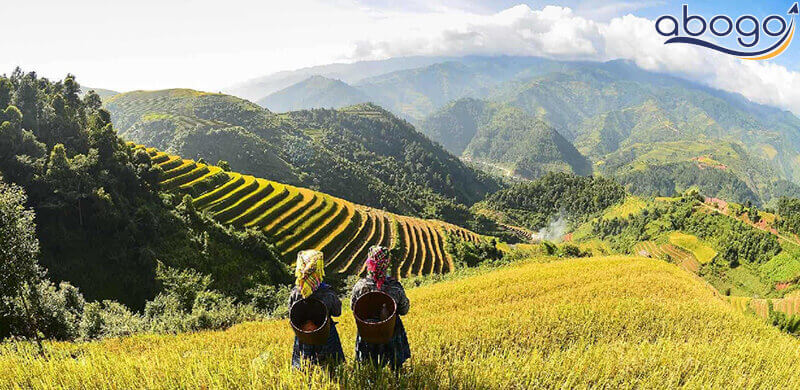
[
  {"x": 701, "y": 251},
  {"x": 613, "y": 322},
  {"x": 631, "y": 205},
  {"x": 297, "y": 218}
]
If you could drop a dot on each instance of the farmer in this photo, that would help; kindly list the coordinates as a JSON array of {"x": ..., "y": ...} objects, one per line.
[
  {"x": 397, "y": 350},
  {"x": 310, "y": 272}
]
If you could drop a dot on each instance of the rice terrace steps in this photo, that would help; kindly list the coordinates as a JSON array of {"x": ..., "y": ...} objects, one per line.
[{"x": 296, "y": 218}]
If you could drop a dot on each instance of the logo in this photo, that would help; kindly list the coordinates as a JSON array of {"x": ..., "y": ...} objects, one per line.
[{"x": 747, "y": 29}]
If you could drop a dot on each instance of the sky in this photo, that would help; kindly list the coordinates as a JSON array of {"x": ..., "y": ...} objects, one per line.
[{"x": 210, "y": 45}]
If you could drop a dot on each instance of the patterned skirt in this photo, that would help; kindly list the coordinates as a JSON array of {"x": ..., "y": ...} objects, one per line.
[
  {"x": 328, "y": 353},
  {"x": 394, "y": 354}
]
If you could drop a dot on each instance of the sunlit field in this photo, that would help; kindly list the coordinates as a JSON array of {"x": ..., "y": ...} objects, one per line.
[{"x": 613, "y": 322}]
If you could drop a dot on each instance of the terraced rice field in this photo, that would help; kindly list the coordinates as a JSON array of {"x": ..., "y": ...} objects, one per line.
[
  {"x": 683, "y": 258},
  {"x": 298, "y": 218},
  {"x": 649, "y": 249},
  {"x": 789, "y": 305}
]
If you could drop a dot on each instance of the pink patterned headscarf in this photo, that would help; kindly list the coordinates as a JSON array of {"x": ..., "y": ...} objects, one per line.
[{"x": 378, "y": 264}]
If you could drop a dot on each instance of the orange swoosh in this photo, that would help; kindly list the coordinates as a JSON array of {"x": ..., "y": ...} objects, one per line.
[{"x": 775, "y": 52}]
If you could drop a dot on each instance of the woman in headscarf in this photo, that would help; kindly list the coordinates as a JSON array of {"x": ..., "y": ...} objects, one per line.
[
  {"x": 397, "y": 351},
  {"x": 310, "y": 272}
]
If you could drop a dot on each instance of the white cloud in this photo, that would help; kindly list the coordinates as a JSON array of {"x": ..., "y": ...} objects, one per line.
[{"x": 557, "y": 32}]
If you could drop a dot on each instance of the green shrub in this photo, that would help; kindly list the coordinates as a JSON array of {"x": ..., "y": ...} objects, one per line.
[
  {"x": 469, "y": 254},
  {"x": 571, "y": 250},
  {"x": 109, "y": 319},
  {"x": 270, "y": 300}
]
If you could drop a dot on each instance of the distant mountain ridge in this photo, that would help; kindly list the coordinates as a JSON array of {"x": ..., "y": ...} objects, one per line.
[
  {"x": 260, "y": 87},
  {"x": 314, "y": 92},
  {"x": 103, "y": 93}
]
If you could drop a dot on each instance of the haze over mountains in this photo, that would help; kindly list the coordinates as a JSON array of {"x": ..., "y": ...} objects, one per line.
[
  {"x": 613, "y": 113},
  {"x": 258, "y": 88}
]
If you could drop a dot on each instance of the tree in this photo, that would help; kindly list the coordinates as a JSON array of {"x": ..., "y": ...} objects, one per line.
[
  {"x": 6, "y": 90},
  {"x": 19, "y": 269}
]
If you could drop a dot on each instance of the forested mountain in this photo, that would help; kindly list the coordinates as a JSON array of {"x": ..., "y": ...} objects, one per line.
[
  {"x": 417, "y": 93},
  {"x": 100, "y": 219},
  {"x": 504, "y": 137},
  {"x": 314, "y": 92},
  {"x": 611, "y": 112},
  {"x": 361, "y": 153}
]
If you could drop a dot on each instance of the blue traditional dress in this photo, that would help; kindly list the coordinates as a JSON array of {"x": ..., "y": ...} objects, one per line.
[
  {"x": 397, "y": 351},
  {"x": 331, "y": 352}
]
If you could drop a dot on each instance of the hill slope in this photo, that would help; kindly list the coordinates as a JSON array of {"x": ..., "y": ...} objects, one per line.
[
  {"x": 295, "y": 219},
  {"x": 313, "y": 92},
  {"x": 362, "y": 153},
  {"x": 600, "y": 322},
  {"x": 503, "y": 136},
  {"x": 739, "y": 249}
]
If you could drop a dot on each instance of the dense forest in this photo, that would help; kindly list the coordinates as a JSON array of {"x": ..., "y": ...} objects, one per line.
[
  {"x": 789, "y": 208},
  {"x": 673, "y": 179},
  {"x": 537, "y": 203},
  {"x": 100, "y": 221}
]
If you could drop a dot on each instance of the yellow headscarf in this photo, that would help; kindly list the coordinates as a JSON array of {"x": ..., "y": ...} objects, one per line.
[{"x": 309, "y": 271}]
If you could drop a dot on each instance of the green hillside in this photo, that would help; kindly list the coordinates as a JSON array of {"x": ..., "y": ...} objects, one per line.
[
  {"x": 503, "y": 136},
  {"x": 361, "y": 153},
  {"x": 740, "y": 250},
  {"x": 314, "y": 92},
  {"x": 536, "y": 204},
  {"x": 101, "y": 221},
  {"x": 606, "y": 322}
]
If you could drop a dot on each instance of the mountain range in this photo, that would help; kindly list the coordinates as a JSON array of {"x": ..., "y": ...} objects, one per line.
[{"x": 616, "y": 115}]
